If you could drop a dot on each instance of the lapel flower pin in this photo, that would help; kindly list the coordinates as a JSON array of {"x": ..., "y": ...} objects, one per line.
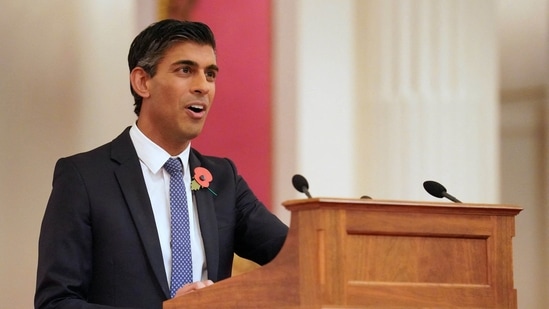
[{"x": 201, "y": 179}]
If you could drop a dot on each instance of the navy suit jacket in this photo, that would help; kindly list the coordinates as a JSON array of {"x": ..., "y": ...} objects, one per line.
[{"x": 99, "y": 245}]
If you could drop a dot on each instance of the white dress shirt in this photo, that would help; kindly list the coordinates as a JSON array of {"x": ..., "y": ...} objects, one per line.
[{"x": 152, "y": 158}]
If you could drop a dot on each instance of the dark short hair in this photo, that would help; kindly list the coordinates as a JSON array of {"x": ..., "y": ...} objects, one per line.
[{"x": 149, "y": 47}]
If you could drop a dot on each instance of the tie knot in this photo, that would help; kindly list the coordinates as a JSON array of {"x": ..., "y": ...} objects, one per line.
[{"x": 173, "y": 166}]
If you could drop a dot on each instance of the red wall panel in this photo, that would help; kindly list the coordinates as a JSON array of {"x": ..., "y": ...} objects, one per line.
[{"x": 239, "y": 124}]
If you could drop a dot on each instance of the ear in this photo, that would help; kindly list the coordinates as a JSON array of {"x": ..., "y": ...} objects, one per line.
[{"x": 138, "y": 80}]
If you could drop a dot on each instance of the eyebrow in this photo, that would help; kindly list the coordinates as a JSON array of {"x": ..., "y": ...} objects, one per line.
[{"x": 195, "y": 64}]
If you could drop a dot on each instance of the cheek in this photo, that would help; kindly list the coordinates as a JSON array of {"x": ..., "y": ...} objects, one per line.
[
  {"x": 169, "y": 96},
  {"x": 212, "y": 94},
  {"x": 166, "y": 103}
]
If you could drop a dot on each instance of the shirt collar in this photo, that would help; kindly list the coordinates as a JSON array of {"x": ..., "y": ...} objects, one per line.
[{"x": 152, "y": 155}]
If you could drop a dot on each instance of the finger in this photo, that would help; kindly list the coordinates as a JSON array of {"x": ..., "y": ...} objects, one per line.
[
  {"x": 190, "y": 287},
  {"x": 203, "y": 284}
]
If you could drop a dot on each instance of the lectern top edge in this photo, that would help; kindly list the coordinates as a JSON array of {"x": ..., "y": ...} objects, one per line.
[{"x": 372, "y": 204}]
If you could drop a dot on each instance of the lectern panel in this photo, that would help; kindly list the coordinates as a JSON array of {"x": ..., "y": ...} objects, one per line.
[{"x": 409, "y": 259}]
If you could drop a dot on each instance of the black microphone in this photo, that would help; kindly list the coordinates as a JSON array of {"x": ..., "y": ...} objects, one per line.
[
  {"x": 438, "y": 190},
  {"x": 301, "y": 184}
]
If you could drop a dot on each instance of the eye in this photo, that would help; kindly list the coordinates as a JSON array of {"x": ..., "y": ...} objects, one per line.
[
  {"x": 211, "y": 75},
  {"x": 185, "y": 70}
]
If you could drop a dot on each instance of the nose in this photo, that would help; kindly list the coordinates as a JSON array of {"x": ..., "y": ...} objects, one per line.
[{"x": 200, "y": 85}]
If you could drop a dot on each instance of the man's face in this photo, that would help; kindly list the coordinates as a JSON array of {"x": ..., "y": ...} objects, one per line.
[{"x": 180, "y": 96}]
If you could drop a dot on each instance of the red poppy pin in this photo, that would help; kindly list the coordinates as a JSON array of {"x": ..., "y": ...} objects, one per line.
[{"x": 201, "y": 179}]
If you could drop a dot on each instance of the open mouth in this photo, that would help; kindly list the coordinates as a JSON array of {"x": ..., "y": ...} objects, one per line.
[{"x": 196, "y": 108}]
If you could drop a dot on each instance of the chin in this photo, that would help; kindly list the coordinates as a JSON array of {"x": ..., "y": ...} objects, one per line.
[{"x": 191, "y": 135}]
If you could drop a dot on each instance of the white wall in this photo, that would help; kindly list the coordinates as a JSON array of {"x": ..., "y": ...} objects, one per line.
[
  {"x": 64, "y": 90},
  {"x": 314, "y": 98},
  {"x": 524, "y": 57}
]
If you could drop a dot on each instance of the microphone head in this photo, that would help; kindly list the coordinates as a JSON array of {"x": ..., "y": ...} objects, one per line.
[
  {"x": 434, "y": 188},
  {"x": 300, "y": 183}
]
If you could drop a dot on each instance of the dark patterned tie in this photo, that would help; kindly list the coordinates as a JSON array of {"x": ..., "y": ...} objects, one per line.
[{"x": 180, "y": 230}]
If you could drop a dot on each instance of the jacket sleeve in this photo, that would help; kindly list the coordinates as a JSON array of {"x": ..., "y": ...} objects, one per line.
[{"x": 259, "y": 234}]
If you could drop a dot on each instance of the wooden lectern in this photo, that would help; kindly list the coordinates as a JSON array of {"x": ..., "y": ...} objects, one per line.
[{"x": 343, "y": 253}]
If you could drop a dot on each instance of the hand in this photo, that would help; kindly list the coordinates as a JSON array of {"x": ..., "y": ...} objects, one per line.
[{"x": 191, "y": 287}]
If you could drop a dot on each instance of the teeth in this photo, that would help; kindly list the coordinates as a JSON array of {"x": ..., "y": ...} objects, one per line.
[{"x": 196, "y": 108}]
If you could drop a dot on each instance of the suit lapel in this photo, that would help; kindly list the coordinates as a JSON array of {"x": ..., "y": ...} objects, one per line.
[
  {"x": 208, "y": 222},
  {"x": 132, "y": 184}
]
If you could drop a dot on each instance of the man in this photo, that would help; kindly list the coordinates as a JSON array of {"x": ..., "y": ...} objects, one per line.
[{"x": 105, "y": 240}]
